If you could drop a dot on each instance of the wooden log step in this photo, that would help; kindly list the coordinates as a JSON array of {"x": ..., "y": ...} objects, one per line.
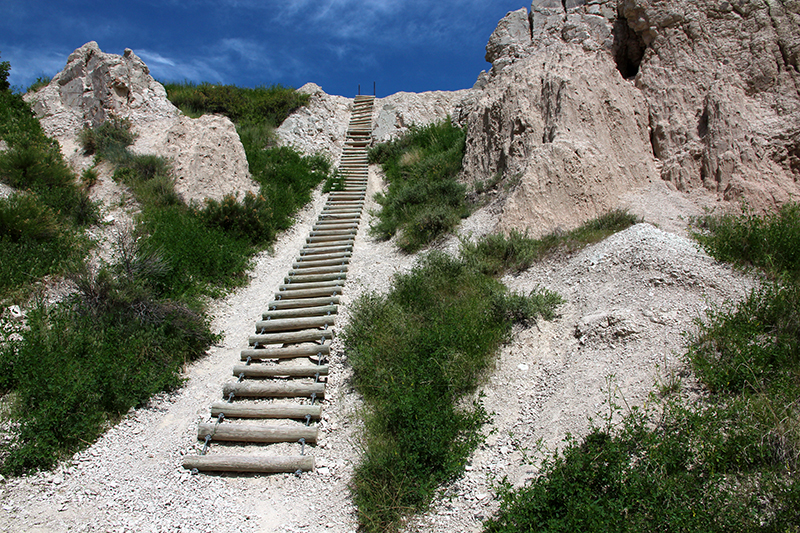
[
  {"x": 353, "y": 213},
  {"x": 259, "y": 464},
  {"x": 293, "y": 411},
  {"x": 335, "y": 224},
  {"x": 272, "y": 389},
  {"x": 324, "y": 257},
  {"x": 310, "y": 285},
  {"x": 305, "y": 311},
  {"x": 313, "y": 278},
  {"x": 320, "y": 263},
  {"x": 328, "y": 244},
  {"x": 305, "y": 302},
  {"x": 294, "y": 324},
  {"x": 345, "y": 196},
  {"x": 287, "y": 352},
  {"x": 342, "y": 210},
  {"x": 317, "y": 250},
  {"x": 344, "y": 204},
  {"x": 318, "y": 270},
  {"x": 274, "y": 371},
  {"x": 292, "y": 337},
  {"x": 308, "y": 293},
  {"x": 333, "y": 215},
  {"x": 333, "y": 232},
  {"x": 254, "y": 433},
  {"x": 331, "y": 240}
]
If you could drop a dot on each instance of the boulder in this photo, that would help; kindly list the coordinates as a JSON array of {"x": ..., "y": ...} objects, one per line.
[
  {"x": 395, "y": 113},
  {"x": 320, "y": 126},
  {"x": 207, "y": 156}
]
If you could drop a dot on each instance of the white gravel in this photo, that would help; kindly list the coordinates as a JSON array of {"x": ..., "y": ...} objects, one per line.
[{"x": 628, "y": 300}]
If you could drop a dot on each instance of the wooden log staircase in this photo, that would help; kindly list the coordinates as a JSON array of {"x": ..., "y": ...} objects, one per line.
[{"x": 281, "y": 383}]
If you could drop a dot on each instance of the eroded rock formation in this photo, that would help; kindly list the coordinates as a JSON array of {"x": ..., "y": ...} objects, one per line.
[
  {"x": 320, "y": 127},
  {"x": 207, "y": 155},
  {"x": 587, "y": 99}
]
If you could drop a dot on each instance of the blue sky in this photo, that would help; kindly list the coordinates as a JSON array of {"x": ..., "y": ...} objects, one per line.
[{"x": 401, "y": 45}]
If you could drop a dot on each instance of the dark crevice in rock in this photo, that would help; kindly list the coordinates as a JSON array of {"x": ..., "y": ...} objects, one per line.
[
  {"x": 530, "y": 24},
  {"x": 564, "y": 5},
  {"x": 628, "y": 48},
  {"x": 702, "y": 124}
]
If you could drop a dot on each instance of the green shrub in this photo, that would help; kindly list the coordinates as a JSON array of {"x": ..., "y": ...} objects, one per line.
[
  {"x": 34, "y": 163},
  {"x": 415, "y": 353},
  {"x": 33, "y": 243},
  {"x": 496, "y": 253},
  {"x": 251, "y": 220},
  {"x": 5, "y": 68},
  {"x": 109, "y": 140},
  {"x": 24, "y": 217},
  {"x": 424, "y": 199},
  {"x": 202, "y": 260},
  {"x": 41, "y": 81},
  {"x": 74, "y": 372},
  {"x": 335, "y": 182},
  {"x": 270, "y": 105},
  {"x": 287, "y": 179},
  {"x": 770, "y": 242}
]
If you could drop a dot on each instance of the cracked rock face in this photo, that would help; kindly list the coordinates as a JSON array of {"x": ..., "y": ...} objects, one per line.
[
  {"x": 588, "y": 99},
  {"x": 207, "y": 156}
]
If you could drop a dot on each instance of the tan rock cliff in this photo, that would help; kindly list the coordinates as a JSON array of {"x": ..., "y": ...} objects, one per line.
[{"x": 207, "y": 155}]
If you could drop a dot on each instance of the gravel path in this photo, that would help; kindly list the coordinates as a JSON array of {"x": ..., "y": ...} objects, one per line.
[{"x": 628, "y": 300}]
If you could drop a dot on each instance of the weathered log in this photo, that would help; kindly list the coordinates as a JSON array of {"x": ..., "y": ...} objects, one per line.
[
  {"x": 293, "y": 324},
  {"x": 266, "y": 410},
  {"x": 272, "y": 371},
  {"x": 308, "y": 293},
  {"x": 321, "y": 262},
  {"x": 330, "y": 239},
  {"x": 249, "y": 463},
  {"x": 324, "y": 257},
  {"x": 286, "y": 352},
  {"x": 273, "y": 389},
  {"x": 303, "y": 302},
  {"x": 318, "y": 270},
  {"x": 331, "y": 276},
  {"x": 303, "y": 311},
  {"x": 254, "y": 433},
  {"x": 310, "y": 284},
  {"x": 292, "y": 337},
  {"x": 308, "y": 251},
  {"x": 335, "y": 232}
]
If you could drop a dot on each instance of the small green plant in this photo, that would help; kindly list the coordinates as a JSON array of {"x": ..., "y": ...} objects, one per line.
[
  {"x": 41, "y": 81},
  {"x": 424, "y": 199},
  {"x": 416, "y": 352},
  {"x": 335, "y": 182},
  {"x": 496, "y": 253},
  {"x": 109, "y": 140},
  {"x": 89, "y": 178}
]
